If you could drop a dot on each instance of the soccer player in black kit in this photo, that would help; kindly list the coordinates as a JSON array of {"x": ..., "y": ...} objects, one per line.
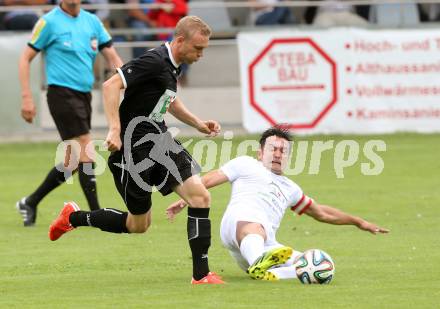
[{"x": 144, "y": 154}]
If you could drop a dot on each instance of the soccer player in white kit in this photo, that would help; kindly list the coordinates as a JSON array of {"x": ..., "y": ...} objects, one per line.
[{"x": 260, "y": 196}]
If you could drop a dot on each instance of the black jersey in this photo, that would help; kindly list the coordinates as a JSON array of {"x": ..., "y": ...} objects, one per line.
[{"x": 150, "y": 86}]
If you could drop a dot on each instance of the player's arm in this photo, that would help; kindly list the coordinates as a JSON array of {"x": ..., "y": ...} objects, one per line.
[
  {"x": 178, "y": 110},
  {"x": 28, "y": 110},
  {"x": 112, "y": 58},
  {"x": 214, "y": 178},
  {"x": 111, "y": 91},
  {"x": 331, "y": 215},
  {"x": 209, "y": 180}
]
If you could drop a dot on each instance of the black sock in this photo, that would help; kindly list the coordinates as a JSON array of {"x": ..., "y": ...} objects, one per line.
[
  {"x": 107, "y": 219},
  {"x": 199, "y": 237},
  {"x": 54, "y": 178},
  {"x": 87, "y": 179}
]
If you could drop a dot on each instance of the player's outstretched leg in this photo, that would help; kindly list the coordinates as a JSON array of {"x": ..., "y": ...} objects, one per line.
[
  {"x": 258, "y": 270},
  {"x": 106, "y": 219},
  {"x": 288, "y": 269}
]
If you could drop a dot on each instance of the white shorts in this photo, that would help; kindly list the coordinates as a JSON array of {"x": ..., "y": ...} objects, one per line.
[{"x": 228, "y": 230}]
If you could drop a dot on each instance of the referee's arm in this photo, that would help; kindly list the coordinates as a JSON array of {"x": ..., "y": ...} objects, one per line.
[
  {"x": 112, "y": 57},
  {"x": 28, "y": 109}
]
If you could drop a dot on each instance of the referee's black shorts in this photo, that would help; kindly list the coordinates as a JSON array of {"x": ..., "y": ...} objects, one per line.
[
  {"x": 136, "y": 171},
  {"x": 71, "y": 111}
]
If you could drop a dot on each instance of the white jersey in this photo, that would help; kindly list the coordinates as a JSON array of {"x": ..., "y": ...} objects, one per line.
[{"x": 258, "y": 195}]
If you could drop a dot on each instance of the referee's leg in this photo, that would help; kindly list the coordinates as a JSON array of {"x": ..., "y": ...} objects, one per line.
[
  {"x": 58, "y": 174},
  {"x": 86, "y": 172},
  {"x": 199, "y": 226}
]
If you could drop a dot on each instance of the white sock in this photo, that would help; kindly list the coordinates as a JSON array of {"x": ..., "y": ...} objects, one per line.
[
  {"x": 284, "y": 272},
  {"x": 252, "y": 247}
]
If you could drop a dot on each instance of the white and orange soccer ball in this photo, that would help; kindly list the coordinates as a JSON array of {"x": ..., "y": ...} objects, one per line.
[{"x": 315, "y": 266}]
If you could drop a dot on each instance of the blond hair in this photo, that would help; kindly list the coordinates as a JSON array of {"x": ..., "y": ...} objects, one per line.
[{"x": 189, "y": 25}]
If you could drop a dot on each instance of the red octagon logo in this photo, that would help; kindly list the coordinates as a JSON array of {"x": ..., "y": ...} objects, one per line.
[{"x": 293, "y": 82}]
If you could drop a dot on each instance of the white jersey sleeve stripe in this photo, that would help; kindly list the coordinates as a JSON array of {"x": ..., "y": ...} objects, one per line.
[
  {"x": 305, "y": 207},
  {"x": 302, "y": 205},
  {"x": 299, "y": 203}
]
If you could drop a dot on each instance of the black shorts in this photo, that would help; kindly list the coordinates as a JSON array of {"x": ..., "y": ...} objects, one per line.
[
  {"x": 71, "y": 111},
  {"x": 135, "y": 171}
]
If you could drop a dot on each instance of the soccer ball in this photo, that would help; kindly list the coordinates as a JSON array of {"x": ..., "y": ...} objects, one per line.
[{"x": 315, "y": 266}]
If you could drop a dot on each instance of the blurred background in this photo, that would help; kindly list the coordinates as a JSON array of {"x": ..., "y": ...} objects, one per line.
[
  {"x": 219, "y": 85},
  {"x": 336, "y": 71}
]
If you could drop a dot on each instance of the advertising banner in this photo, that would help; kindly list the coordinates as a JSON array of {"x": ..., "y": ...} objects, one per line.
[{"x": 341, "y": 80}]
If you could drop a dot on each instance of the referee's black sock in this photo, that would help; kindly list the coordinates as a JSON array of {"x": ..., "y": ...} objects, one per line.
[
  {"x": 54, "y": 178},
  {"x": 199, "y": 237},
  {"x": 107, "y": 219},
  {"x": 87, "y": 179}
]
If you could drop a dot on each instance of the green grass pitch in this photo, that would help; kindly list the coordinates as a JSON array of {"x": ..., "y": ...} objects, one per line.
[{"x": 89, "y": 268}]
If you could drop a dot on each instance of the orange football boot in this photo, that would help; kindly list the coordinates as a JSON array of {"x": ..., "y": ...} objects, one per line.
[
  {"x": 210, "y": 278},
  {"x": 62, "y": 224}
]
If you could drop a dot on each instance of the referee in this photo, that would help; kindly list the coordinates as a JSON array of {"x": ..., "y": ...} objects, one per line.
[
  {"x": 144, "y": 153},
  {"x": 71, "y": 39}
]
